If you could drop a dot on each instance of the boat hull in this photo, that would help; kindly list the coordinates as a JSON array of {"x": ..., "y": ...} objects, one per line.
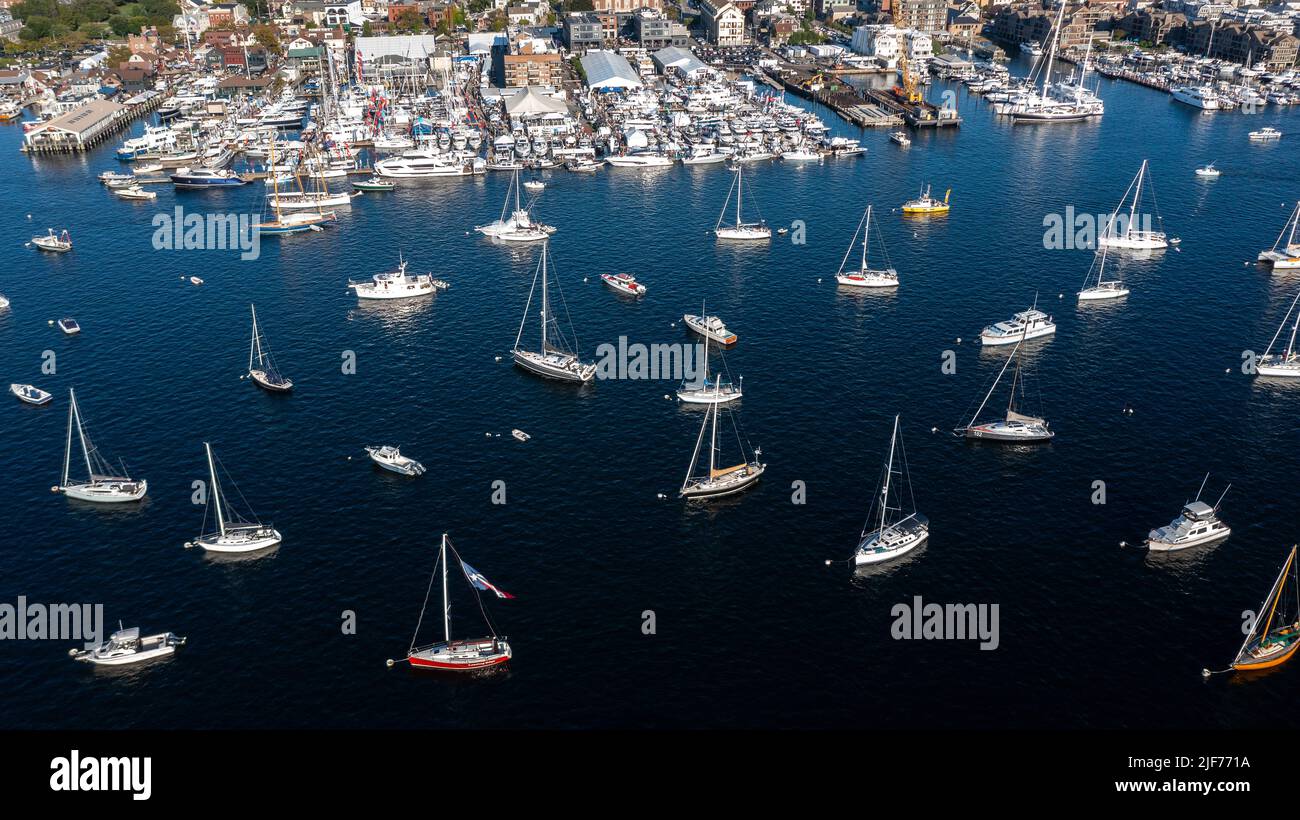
[
  {"x": 1100, "y": 294},
  {"x": 262, "y": 380},
  {"x": 708, "y": 489},
  {"x": 107, "y": 492},
  {"x": 568, "y": 370},
  {"x": 1275, "y": 659},
  {"x": 461, "y": 656},
  {"x": 744, "y": 234},
  {"x": 239, "y": 542},
  {"x": 1012, "y": 338},
  {"x": 1167, "y": 546},
  {"x": 868, "y": 554},
  {"x": 1000, "y": 432}
]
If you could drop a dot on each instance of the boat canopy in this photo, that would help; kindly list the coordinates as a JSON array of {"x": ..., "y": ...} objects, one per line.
[
  {"x": 125, "y": 635},
  {"x": 1199, "y": 510}
]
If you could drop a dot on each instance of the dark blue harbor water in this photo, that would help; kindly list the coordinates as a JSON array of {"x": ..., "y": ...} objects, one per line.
[{"x": 753, "y": 629}]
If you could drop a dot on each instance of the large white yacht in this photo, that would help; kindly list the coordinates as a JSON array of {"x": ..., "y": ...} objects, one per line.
[
  {"x": 424, "y": 163},
  {"x": 1197, "y": 96},
  {"x": 1027, "y": 324},
  {"x": 1197, "y": 524},
  {"x": 396, "y": 284}
]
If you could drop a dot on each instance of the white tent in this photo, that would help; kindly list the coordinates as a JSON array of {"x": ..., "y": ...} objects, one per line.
[
  {"x": 532, "y": 101},
  {"x": 606, "y": 70}
]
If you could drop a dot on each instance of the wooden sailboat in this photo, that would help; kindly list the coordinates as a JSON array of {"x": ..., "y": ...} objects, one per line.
[
  {"x": 1014, "y": 426},
  {"x": 1275, "y": 641},
  {"x": 292, "y": 222},
  {"x": 101, "y": 485},
  {"x": 719, "y": 481},
  {"x": 892, "y": 536},
  {"x": 552, "y": 359},
  {"x": 740, "y": 230},
  {"x": 864, "y": 276},
  {"x": 234, "y": 533},
  {"x": 261, "y": 369},
  {"x": 461, "y": 655}
]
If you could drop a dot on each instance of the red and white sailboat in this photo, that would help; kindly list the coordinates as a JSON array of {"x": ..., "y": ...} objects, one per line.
[{"x": 465, "y": 654}]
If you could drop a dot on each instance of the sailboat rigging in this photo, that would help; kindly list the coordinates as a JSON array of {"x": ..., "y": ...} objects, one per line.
[
  {"x": 101, "y": 484},
  {"x": 718, "y": 482},
  {"x": 864, "y": 276},
  {"x": 1273, "y": 643},
  {"x": 740, "y": 230},
  {"x": 892, "y": 536},
  {"x": 261, "y": 368},
  {"x": 1133, "y": 237},
  {"x": 1285, "y": 255},
  {"x": 1286, "y": 364},
  {"x": 460, "y": 655},
  {"x": 234, "y": 533},
  {"x": 1014, "y": 426},
  {"x": 552, "y": 359},
  {"x": 1102, "y": 288}
]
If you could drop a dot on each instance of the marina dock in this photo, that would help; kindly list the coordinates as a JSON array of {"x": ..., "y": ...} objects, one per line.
[{"x": 841, "y": 98}]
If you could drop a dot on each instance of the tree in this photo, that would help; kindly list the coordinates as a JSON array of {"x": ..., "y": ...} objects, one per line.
[
  {"x": 38, "y": 27},
  {"x": 366, "y": 29},
  {"x": 409, "y": 20},
  {"x": 580, "y": 5},
  {"x": 267, "y": 37},
  {"x": 120, "y": 24},
  {"x": 117, "y": 55}
]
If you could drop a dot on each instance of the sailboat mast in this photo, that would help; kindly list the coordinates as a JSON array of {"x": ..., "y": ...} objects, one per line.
[
  {"x": 1137, "y": 196},
  {"x": 446, "y": 604},
  {"x": 545, "y": 302},
  {"x": 740, "y": 190},
  {"x": 253, "y": 343},
  {"x": 67, "y": 449},
  {"x": 1295, "y": 221},
  {"x": 214, "y": 492},
  {"x": 866, "y": 234},
  {"x": 889, "y": 469},
  {"x": 989, "y": 395},
  {"x": 713, "y": 437},
  {"x": 81, "y": 434}
]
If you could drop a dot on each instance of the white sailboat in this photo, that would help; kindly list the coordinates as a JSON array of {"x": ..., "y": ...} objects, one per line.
[
  {"x": 1101, "y": 288},
  {"x": 1287, "y": 363},
  {"x": 892, "y": 536},
  {"x": 724, "y": 481},
  {"x": 234, "y": 533},
  {"x": 519, "y": 225},
  {"x": 552, "y": 359},
  {"x": 1285, "y": 255},
  {"x": 740, "y": 230},
  {"x": 1014, "y": 426},
  {"x": 261, "y": 369},
  {"x": 101, "y": 485},
  {"x": 865, "y": 276},
  {"x": 706, "y": 392},
  {"x": 1133, "y": 237}
]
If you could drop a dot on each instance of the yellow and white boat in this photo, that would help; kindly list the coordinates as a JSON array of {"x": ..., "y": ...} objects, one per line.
[
  {"x": 1275, "y": 635},
  {"x": 926, "y": 204}
]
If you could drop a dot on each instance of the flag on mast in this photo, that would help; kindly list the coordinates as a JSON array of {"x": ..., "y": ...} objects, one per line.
[{"x": 480, "y": 583}]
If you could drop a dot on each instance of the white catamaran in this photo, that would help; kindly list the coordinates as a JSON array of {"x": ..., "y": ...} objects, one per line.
[
  {"x": 718, "y": 482},
  {"x": 1287, "y": 363},
  {"x": 101, "y": 485},
  {"x": 553, "y": 359},
  {"x": 261, "y": 368},
  {"x": 892, "y": 536},
  {"x": 234, "y": 533},
  {"x": 1133, "y": 236},
  {"x": 864, "y": 276},
  {"x": 741, "y": 230}
]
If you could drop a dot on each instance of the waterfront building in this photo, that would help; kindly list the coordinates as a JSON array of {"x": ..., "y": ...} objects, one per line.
[
  {"x": 654, "y": 31},
  {"x": 531, "y": 61},
  {"x": 627, "y": 6},
  {"x": 78, "y": 129},
  {"x": 679, "y": 60},
  {"x": 923, "y": 15},
  {"x": 724, "y": 22},
  {"x": 582, "y": 31},
  {"x": 839, "y": 9},
  {"x": 393, "y": 56},
  {"x": 607, "y": 71}
]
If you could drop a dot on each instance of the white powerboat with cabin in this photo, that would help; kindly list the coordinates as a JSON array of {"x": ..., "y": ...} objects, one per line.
[
  {"x": 1025, "y": 325},
  {"x": 1196, "y": 525},
  {"x": 394, "y": 285},
  {"x": 390, "y": 458},
  {"x": 710, "y": 327},
  {"x": 127, "y": 646}
]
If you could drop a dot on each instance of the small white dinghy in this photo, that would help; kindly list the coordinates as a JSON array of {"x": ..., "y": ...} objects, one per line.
[
  {"x": 135, "y": 192},
  {"x": 127, "y": 646},
  {"x": 69, "y": 325},
  {"x": 534, "y": 185},
  {"x": 391, "y": 459},
  {"x": 30, "y": 394},
  {"x": 520, "y": 434},
  {"x": 1209, "y": 172}
]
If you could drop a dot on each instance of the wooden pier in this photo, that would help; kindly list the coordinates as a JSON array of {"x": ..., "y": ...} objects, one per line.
[{"x": 88, "y": 125}]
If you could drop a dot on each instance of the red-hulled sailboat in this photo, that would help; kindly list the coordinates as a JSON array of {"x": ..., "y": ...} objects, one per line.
[{"x": 464, "y": 654}]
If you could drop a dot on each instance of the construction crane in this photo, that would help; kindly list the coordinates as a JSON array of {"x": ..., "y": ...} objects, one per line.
[{"x": 908, "y": 92}]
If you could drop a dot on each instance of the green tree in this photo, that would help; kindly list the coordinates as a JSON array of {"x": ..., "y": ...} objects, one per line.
[
  {"x": 409, "y": 20},
  {"x": 579, "y": 5},
  {"x": 38, "y": 27},
  {"x": 267, "y": 37},
  {"x": 366, "y": 29},
  {"x": 120, "y": 24}
]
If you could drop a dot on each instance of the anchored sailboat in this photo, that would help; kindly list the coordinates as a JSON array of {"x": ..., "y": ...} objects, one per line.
[
  {"x": 722, "y": 481},
  {"x": 234, "y": 533},
  {"x": 261, "y": 369},
  {"x": 519, "y": 225},
  {"x": 1275, "y": 641},
  {"x": 1285, "y": 255},
  {"x": 283, "y": 223},
  {"x": 864, "y": 276},
  {"x": 892, "y": 536},
  {"x": 1133, "y": 237},
  {"x": 705, "y": 392},
  {"x": 553, "y": 359},
  {"x": 461, "y": 655},
  {"x": 101, "y": 485},
  {"x": 1286, "y": 364},
  {"x": 1014, "y": 426},
  {"x": 740, "y": 230},
  {"x": 1102, "y": 288}
]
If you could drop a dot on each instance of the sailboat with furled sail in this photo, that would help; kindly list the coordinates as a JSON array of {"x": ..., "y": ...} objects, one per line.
[
  {"x": 519, "y": 225},
  {"x": 1133, "y": 236},
  {"x": 553, "y": 359},
  {"x": 295, "y": 222},
  {"x": 1285, "y": 255},
  {"x": 740, "y": 230},
  {"x": 864, "y": 276},
  {"x": 892, "y": 536},
  {"x": 1287, "y": 363},
  {"x": 461, "y": 655},
  {"x": 261, "y": 368},
  {"x": 1102, "y": 288},
  {"x": 719, "y": 481},
  {"x": 101, "y": 484},
  {"x": 234, "y": 533},
  {"x": 1274, "y": 636},
  {"x": 1015, "y": 426}
]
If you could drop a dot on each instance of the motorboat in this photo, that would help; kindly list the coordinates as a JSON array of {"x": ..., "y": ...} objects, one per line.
[
  {"x": 69, "y": 326},
  {"x": 207, "y": 178},
  {"x": 390, "y": 458},
  {"x": 1209, "y": 172},
  {"x": 1197, "y": 524},
  {"x": 1265, "y": 135},
  {"x": 52, "y": 242},
  {"x": 900, "y": 138},
  {"x": 710, "y": 327},
  {"x": 926, "y": 205},
  {"x": 30, "y": 394},
  {"x": 396, "y": 284},
  {"x": 128, "y": 646},
  {"x": 1025, "y": 325},
  {"x": 624, "y": 283},
  {"x": 135, "y": 192}
]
